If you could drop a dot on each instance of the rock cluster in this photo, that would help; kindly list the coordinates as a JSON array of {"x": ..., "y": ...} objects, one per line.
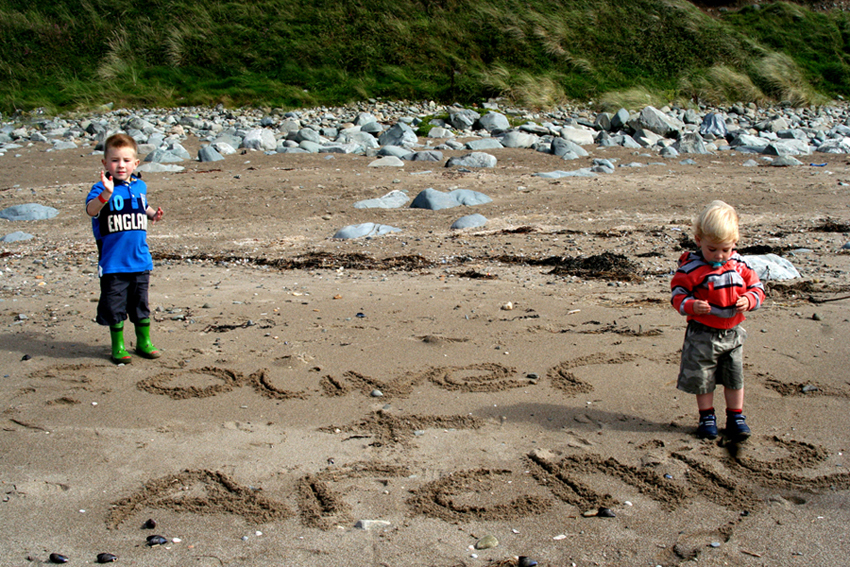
[{"x": 386, "y": 130}]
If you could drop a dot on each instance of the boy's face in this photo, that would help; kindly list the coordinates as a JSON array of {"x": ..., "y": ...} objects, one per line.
[
  {"x": 714, "y": 252},
  {"x": 120, "y": 163}
]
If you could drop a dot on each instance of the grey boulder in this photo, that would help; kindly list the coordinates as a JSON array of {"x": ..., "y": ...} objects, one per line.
[
  {"x": 463, "y": 119},
  {"x": 427, "y": 155},
  {"x": 387, "y": 161},
  {"x": 440, "y": 132},
  {"x": 518, "y": 139},
  {"x": 28, "y": 212},
  {"x": 434, "y": 200},
  {"x": 475, "y": 159},
  {"x": 656, "y": 121},
  {"x": 400, "y": 134},
  {"x": 469, "y": 221},
  {"x": 835, "y": 146},
  {"x": 583, "y": 172},
  {"x": 483, "y": 144},
  {"x": 259, "y": 139},
  {"x": 392, "y": 200},
  {"x": 561, "y": 147},
  {"x": 223, "y": 148},
  {"x": 395, "y": 151},
  {"x": 690, "y": 143},
  {"x": 788, "y": 148},
  {"x": 619, "y": 120},
  {"x": 208, "y": 153},
  {"x": 307, "y": 134},
  {"x": 366, "y": 229},
  {"x": 770, "y": 267},
  {"x": 578, "y": 136},
  {"x": 17, "y": 236},
  {"x": 469, "y": 198},
  {"x": 494, "y": 121},
  {"x": 163, "y": 156},
  {"x": 156, "y": 167}
]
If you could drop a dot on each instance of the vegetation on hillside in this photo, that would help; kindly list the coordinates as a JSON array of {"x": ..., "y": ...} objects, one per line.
[{"x": 81, "y": 53}]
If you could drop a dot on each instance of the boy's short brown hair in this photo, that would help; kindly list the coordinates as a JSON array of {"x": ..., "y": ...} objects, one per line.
[
  {"x": 717, "y": 222},
  {"x": 118, "y": 141}
]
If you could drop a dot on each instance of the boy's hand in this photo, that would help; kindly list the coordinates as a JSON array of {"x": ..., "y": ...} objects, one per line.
[
  {"x": 108, "y": 184},
  {"x": 157, "y": 215},
  {"x": 701, "y": 307},
  {"x": 743, "y": 304}
]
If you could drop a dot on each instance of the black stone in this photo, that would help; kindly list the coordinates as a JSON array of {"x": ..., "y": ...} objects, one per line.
[{"x": 156, "y": 540}]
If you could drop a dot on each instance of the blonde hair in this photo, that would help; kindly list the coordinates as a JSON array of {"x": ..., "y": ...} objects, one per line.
[{"x": 717, "y": 222}]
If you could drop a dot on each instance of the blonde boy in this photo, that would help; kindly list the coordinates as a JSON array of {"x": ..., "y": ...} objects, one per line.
[
  {"x": 714, "y": 287},
  {"x": 120, "y": 214}
]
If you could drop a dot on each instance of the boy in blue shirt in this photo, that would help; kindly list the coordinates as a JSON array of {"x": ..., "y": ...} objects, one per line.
[{"x": 120, "y": 213}]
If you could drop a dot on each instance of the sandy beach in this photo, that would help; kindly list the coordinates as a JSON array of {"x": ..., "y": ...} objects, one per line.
[{"x": 393, "y": 401}]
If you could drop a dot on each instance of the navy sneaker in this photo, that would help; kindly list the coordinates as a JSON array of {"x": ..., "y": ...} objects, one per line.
[
  {"x": 707, "y": 428},
  {"x": 736, "y": 427}
]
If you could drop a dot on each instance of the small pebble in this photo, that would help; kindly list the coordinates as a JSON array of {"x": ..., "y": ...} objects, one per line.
[
  {"x": 487, "y": 542},
  {"x": 816, "y": 317},
  {"x": 377, "y": 394},
  {"x": 606, "y": 513},
  {"x": 155, "y": 540},
  {"x": 149, "y": 524},
  {"x": 715, "y": 544}
]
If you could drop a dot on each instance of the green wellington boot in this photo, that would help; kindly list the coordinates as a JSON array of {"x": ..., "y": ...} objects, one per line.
[
  {"x": 144, "y": 346},
  {"x": 119, "y": 353}
]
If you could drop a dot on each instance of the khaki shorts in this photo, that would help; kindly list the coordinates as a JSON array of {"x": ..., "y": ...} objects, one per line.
[{"x": 711, "y": 356}]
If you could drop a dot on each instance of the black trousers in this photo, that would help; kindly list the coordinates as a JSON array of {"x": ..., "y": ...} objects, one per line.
[{"x": 123, "y": 295}]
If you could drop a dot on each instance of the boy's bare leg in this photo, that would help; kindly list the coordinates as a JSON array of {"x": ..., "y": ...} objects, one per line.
[
  {"x": 706, "y": 401},
  {"x": 734, "y": 398}
]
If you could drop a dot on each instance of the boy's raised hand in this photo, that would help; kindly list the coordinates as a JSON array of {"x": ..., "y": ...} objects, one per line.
[{"x": 108, "y": 184}]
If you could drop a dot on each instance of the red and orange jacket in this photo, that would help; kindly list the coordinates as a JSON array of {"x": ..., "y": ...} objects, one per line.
[{"x": 721, "y": 287}]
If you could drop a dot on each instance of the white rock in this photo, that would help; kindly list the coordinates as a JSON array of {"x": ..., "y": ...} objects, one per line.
[{"x": 371, "y": 524}]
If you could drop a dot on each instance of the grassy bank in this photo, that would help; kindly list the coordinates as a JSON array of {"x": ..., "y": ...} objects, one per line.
[{"x": 64, "y": 54}]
